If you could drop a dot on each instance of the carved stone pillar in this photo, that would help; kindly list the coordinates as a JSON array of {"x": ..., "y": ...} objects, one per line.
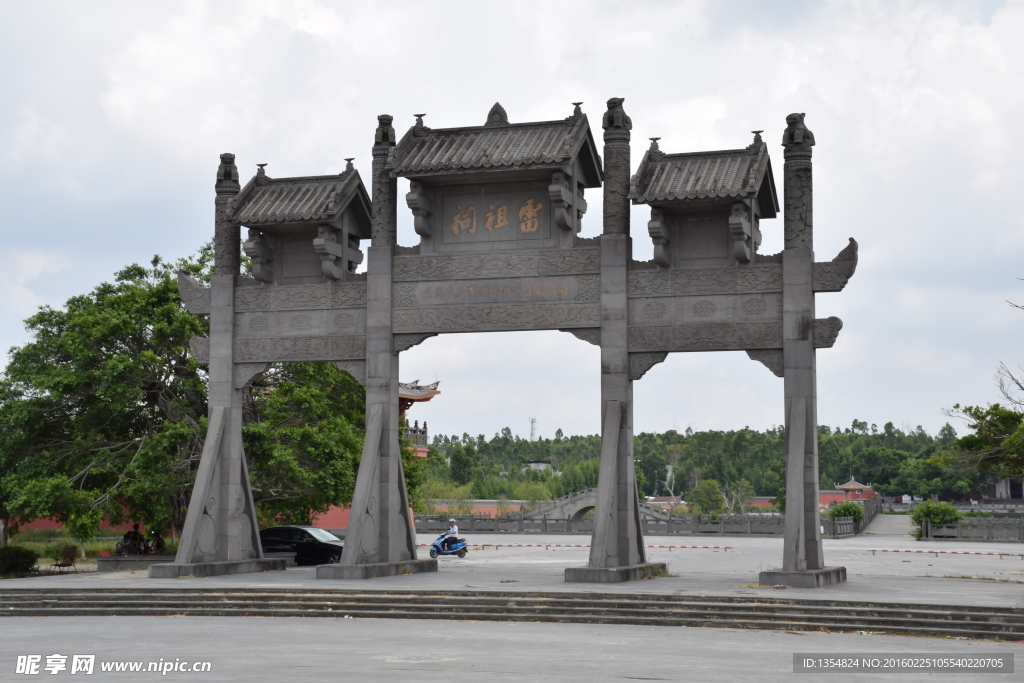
[
  {"x": 381, "y": 537},
  {"x": 803, "y": 563},
  {"x": 220, "y": 534},
  {"x": 617, "y": 547}
]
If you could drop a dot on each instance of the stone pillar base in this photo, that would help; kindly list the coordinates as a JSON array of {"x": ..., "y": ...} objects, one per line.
[
  {"x": 169, "y": 570},
  {"x": 808, "y": 578},
  {"x": 375, "y": 569},
  {"x": 615, "y": 574}
]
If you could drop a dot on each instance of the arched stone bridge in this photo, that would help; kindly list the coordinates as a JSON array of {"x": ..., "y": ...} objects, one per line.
[{"x": 575, "y": 506}]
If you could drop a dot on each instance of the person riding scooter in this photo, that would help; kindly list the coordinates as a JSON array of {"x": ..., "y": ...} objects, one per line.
[{"x": 451, "y": 534}]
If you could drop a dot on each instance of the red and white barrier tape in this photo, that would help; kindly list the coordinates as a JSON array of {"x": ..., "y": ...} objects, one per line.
[
  {"x": 576, "y": 545},
  {"x": 946, "y": 552}
]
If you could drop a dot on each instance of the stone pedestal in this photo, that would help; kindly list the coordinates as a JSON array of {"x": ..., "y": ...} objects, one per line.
[
  {"x": 173, "y": 570},
  {"x": 375, "y": 570},
  {"x": 808, "y": 578},
  {"x": 647, "y": 570}
]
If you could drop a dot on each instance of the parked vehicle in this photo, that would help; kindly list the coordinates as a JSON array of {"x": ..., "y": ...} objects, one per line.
[
  {"x": 458, "y": 547},
  {"x": 310, "y": 544}
]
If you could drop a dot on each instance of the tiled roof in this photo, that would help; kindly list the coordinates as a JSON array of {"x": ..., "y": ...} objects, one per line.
[
  {"x": 267, "y": 200},
  {"x": 427, "y": 151},
  {"x": 703, "y": 175},
  {"x": 414, "y": 391}
]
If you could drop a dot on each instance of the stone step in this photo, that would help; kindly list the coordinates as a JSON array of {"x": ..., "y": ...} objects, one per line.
[{"x": 724, "y": 611}]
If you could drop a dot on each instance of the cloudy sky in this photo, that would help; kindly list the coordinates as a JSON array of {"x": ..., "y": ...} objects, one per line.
[{"x": 113, "y": 115}]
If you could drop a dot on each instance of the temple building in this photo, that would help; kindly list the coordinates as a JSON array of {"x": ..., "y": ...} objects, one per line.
[{"x": 414, "y": 392}]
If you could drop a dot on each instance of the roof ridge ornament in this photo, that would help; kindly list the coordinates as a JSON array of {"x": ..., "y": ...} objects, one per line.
[
  {"x": 496, "y": 116},
  {"x": 655, "y": 153},
  {"x": 576, "y": 115},
  {"x": 261, "y": 175},
  {"x": 754, "y": 147},
  {"x": 419, "y": 130}
]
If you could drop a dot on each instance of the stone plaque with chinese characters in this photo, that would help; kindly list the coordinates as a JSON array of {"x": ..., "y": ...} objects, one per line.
[{"x": 494, "y": 218}]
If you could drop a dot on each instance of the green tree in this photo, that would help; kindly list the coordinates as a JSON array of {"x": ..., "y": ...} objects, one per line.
[
  {"x": 103, "y": 414},
  {"x": 847, "y": 508},
  {"x": 935, "y": 513},
  {"x": 708, "y": 498}
]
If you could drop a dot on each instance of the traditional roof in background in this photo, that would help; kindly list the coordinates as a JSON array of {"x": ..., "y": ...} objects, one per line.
[
  {"x": 414, "y": 391},
  {"x": 311, "y": 199},
  {"x": 852, "y": 485},
  {"x": 733, "y": 173},
  {"x": 498, "y": 146}
]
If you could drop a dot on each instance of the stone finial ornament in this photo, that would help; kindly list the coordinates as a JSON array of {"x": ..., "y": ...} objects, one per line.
[
  {"x": 655, "y": 153},
  {"x": 227, "y": 175},
  {"x": 497, "y": 116},
  {"x": 755, "y": 147},
  {"x": 796, "y": 132},
  {"x": 419, "y": 130},
  {"x": 348, "y": 164},
  {"x": 385, "y": 135},
  {"x": 261, "y": 174},
  {"x": 615, "y": 117}
]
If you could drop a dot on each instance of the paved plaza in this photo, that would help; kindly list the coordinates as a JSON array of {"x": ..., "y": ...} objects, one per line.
[{"x": 264, "y": 649}]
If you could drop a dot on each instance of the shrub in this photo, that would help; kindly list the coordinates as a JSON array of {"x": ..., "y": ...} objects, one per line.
[
  {"x": 936, "y": 513},
  {"x": 17, "y": 560},
  {"x": 848, "y": 508}
]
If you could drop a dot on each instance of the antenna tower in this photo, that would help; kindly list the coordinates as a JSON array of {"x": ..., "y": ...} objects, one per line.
[{"x": 533, "y": 429}]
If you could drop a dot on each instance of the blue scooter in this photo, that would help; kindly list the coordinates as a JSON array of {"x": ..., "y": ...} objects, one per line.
[{"x": 458, "y": 547}]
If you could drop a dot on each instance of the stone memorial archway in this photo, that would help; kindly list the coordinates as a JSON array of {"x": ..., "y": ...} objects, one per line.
[{"x": 498, "y": 209}]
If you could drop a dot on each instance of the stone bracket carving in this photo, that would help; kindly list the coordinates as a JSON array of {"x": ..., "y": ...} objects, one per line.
[
  {"x": 332, "y": 253},
  {"x": 356, "y": 368},
  {"x": 706, "y": 337},
  {"x": 260, "y": 249},
  {"x": 640, "y": 363},
  {"x": 825, "y": 331},
  {"x": 404, "y": 342},
  {"x": 742, "y": 232},
  {"x": 591, "y": 335},
  {"x": 562, "y": 201},
  {"x": 200, "y": 347},
  {"x": 247, "y": 372},
  {"x": 195, "y": 297},
  {"x": 657, "y": 228},
  {"x": 419, "y": 203},
  {"x": 770, "y": 358},
  {"x": 833, "y": 275}
]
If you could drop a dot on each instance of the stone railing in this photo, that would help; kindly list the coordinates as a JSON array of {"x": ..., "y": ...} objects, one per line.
[{"x": 995, "y": 529}]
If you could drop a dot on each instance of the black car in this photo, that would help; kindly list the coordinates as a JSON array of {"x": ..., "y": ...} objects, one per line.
[{"x": 310, "y": 545}]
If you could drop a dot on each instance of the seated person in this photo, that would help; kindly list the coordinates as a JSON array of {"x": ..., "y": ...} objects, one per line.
[
  {"x": 451, "y": 534},
  {"x": 156, "y": 543}
]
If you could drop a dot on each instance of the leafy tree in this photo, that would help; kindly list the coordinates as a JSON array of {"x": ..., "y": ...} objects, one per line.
[
  {"x": 847, "y": 508},
  {"x": 708, "y": 498},
  {"x": 532, "y": 493},
  {"x": 935, "y": 513},
  {"x": 997, "y": 444},
  {"x": 103, "y": 414}
]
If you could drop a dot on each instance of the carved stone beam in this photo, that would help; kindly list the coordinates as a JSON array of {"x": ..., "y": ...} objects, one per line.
[
  {"x": 259, "y": 248},
  {"x": 741, "y": 231},
  {"x": 419, "y": 203},
  {"x": 195, "y": 297},
  {"x": 591, "y": 335},
  {"x": 640, "y": 363},
  {"x": 405, "y": 341},
  {"x": 331, "y": 252},
  {"x": 247, "y": 372},
  {"x": 831, "y": 276},
  {"x": 826, "y": 330},
  {"x": 356, "y": 368},
  {"x": 770, "y": 358},
  {"x": 657, "y": 228},
  {"x": 562, "y": 201}
]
